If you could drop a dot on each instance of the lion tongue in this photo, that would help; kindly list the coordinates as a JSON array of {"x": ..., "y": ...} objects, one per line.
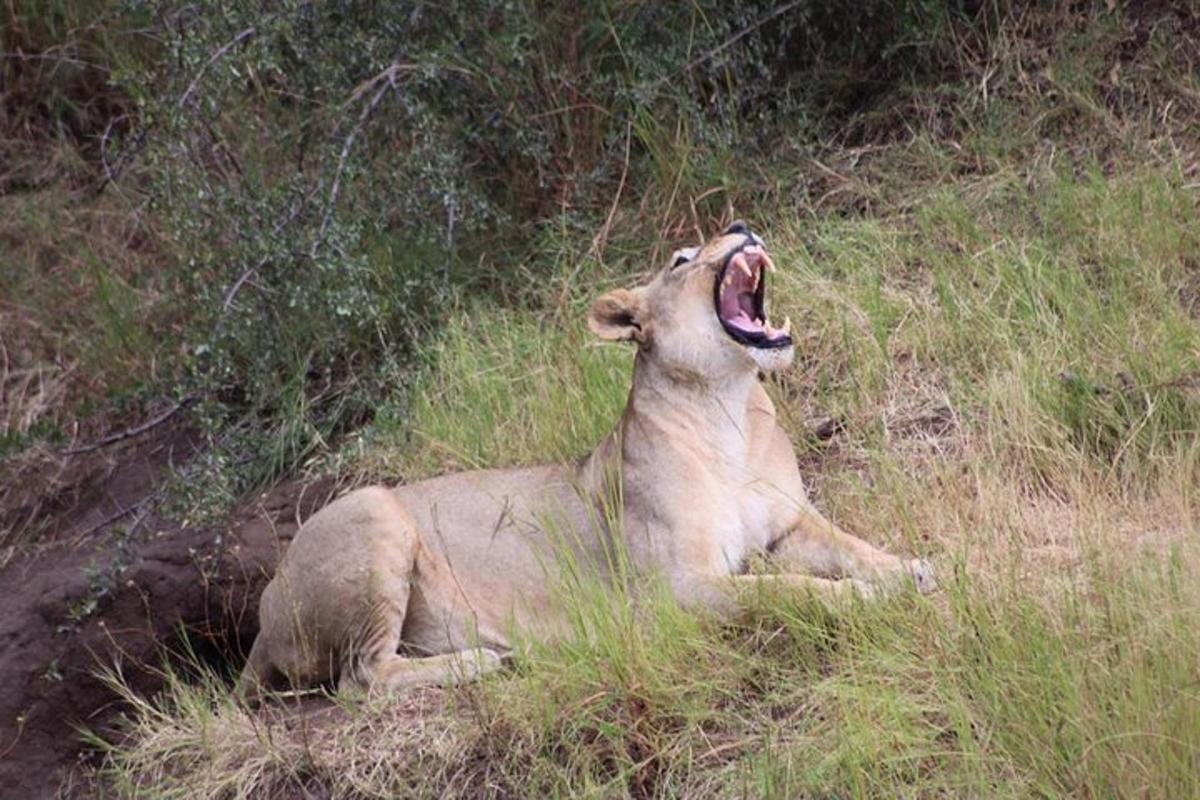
[
  {"x": 737, "y": 307},
  {"x": 740, "y": 319},
  {"x": 737, "y": 304}
]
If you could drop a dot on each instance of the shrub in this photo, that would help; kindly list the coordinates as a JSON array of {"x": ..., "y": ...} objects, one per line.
[{"x": 330, "y": 173}]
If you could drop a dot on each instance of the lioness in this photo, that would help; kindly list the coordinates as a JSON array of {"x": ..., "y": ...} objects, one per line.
[{"x": 422, "y": 583}]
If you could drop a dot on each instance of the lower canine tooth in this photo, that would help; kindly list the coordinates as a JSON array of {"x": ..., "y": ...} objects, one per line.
[{"x": 787, "y": 325}]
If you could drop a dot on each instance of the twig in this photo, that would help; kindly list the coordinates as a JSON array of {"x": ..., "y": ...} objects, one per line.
[
  {"x": 111, "y": 518},
  {"x": 49, "y": 55},
  {"x": 113, "y": 171},
  {"x": 451, "y": 204},
  {"x": 20, "y": 720},
  {"x": 236, "y": 286},
  {"x": 129, "y": 433},
  {"x": 693, "y": 200},
  {"x": 109, "y": 175},
  {"x": 730, "y": 42},
  {"x": 602, "y": 237},
  {"x": 346, "y": 145},
  {"x": 221, "y": 51}
]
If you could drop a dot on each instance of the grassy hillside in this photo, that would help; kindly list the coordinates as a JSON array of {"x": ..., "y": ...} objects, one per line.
[
  {"x": 986, "y": 224},
  {"x": 1013, "y": 371}
]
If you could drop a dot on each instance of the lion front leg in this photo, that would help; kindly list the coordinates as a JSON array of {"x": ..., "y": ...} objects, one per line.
[
  {"x": 724, "y": 595},
  {"x": 817, "y": 546}
]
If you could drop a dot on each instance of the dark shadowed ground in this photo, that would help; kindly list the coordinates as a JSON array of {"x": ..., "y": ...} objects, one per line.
[{"x": 108, "y": 588}]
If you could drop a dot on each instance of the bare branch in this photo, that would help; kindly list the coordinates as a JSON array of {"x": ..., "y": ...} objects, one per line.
[
  {"x": 601, "y": 239},
  {"x": 221, "y": 51},
  {"x": 110, "y": 175},
  {"x": 129, "y": 433},
  {"x": 119, "y": 514},
  {"x": 236, "y": 286},
  {"x": 113, "y": 170},
  {"x": 348, "y": 143},
  {"x": 732, "y": 40}
]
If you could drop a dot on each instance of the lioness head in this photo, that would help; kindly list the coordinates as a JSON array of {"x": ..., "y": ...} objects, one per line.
[{"x": 705, "y": 313}]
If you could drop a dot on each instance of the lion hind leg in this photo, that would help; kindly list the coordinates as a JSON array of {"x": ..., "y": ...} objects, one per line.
[
  {"x": 375, "y": 664},
  {"x": 397, "y": 672},
  {"x": 384, "y": 669}
]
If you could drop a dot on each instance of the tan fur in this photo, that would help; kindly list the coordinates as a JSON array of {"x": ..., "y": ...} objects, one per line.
[{"x": 423, "y": 583}]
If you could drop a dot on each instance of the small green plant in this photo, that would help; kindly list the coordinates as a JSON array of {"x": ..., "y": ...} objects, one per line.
[{"x": 103, "y": 576}]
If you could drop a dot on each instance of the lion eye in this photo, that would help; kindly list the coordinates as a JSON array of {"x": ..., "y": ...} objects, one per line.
[{"x": 683, "y": 256}]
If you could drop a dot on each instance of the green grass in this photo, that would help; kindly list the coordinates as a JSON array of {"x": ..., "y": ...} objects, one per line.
[
  {"x": 1014, "y": 366},
  {"x": 85, "y": 288},
  {"x": 1047, "y": 323},
  {"x": 972, "y": 695},
  {"x": 500, "y": 388}
]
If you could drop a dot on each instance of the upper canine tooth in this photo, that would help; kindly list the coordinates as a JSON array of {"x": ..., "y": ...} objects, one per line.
[
  {"x": 740, "y": 262},
  {"x": 767, "y": 260}
]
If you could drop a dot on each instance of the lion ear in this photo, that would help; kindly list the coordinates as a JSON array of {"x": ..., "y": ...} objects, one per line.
[{"x": 619, "y": 315}]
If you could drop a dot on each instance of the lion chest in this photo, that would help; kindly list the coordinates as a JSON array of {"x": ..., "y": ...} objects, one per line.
[
  {"x": 731, "y": 520},
  {"x": 707, "y": 492},
  {"x": 759, "y": 490},
  {"x": 756, "y": 525}
]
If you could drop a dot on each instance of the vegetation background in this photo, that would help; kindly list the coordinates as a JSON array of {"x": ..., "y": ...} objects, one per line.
[{"x": 358, "y": 239}]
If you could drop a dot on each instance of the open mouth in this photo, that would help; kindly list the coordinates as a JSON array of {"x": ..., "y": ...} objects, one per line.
[{"x": 740, "y": 299}]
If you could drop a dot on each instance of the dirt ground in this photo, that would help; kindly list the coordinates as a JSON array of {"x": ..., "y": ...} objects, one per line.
[{"x": 112, "y": 583}]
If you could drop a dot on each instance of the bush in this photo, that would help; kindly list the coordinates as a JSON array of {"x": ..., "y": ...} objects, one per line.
[{"x": 331, "y": 174}]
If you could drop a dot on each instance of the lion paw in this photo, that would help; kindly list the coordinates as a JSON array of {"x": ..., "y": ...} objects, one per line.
[
  {"x": 922, "y": 575},
  {"x": 482, "y": 662}
]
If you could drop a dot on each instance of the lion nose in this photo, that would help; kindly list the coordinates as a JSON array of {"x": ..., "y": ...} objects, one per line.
[{"x": 738, "y": 226}]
